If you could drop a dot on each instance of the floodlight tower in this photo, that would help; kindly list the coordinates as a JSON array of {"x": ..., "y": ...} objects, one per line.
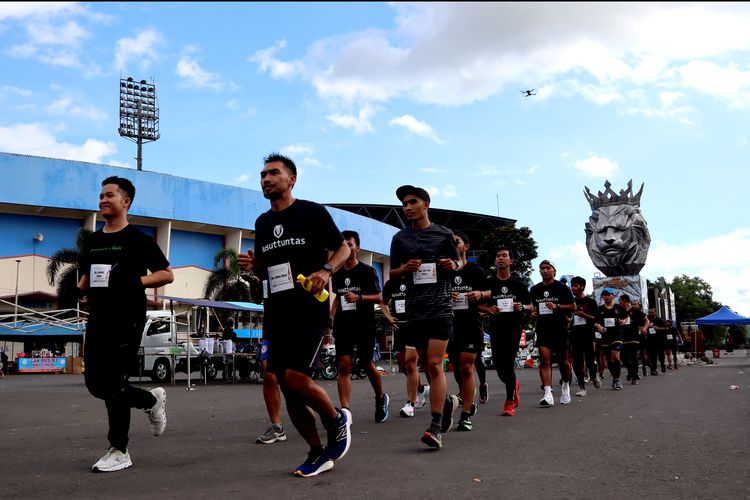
[{"x": 139, "y": 113}]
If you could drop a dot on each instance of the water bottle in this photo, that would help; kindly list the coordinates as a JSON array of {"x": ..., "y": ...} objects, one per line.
[{"x": 322, "y": 295}]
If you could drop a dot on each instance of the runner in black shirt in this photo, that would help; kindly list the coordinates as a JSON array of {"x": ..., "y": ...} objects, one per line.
[
  {"x": 552, "y": 302},
  {"x": 469, "y": 284},
  {"x": 655, "y": 341},
  {"x": 426, "y": 252},
  {"x": 633, "y": 325},
  {"x": 582, "y": 336},
  {"x": 357, "y": 291},
  {"x": 295, "y": 237},
  {"x": 509, "y": 299},
  {"x": 608, "y": 324},
  {"x": 114, "y": 275}
]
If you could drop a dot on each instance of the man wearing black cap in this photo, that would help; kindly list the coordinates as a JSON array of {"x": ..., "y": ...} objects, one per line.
[
  {"x": 427, "y": 252},
  {"x": 608, "y": 324},
  {"x": 552, "y": 301}
]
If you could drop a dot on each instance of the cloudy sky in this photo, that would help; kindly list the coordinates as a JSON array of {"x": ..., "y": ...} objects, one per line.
[{"x": 366, "y": 97}]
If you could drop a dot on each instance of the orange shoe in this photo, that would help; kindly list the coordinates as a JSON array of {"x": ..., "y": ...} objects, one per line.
[
  {"x": 517, "y": 399},
  {"x": 509, "y": 410}
]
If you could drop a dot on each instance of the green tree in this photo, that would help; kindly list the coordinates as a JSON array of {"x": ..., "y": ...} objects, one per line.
[
  {"x": 520, "y": 241},
  {"x": 694, "y": 299},
  {"x": 227, "y": 283},
  {"x": 63, "y": 271}
]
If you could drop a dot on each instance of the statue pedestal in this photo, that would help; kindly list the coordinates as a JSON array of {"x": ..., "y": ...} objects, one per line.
[{"x": 633, "y": 285}]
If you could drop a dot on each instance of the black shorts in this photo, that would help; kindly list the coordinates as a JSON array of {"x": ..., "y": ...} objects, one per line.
[
  {"x": 420, "y": 332},
  {"x": 399, "y": 336},
  {"x": 294, "y": 349},
  {"x": 347, "y": 339},
  {"x": 505, "y": 344},
  {"x": 557, "y": 342},
  {"x": 471, "y": 340}
]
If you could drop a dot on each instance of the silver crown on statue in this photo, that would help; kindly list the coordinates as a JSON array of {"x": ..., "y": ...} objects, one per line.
[{"x": 609, "y": 197}]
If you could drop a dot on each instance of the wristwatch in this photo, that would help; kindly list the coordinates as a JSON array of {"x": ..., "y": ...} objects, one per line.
[{"x": 328, "y": 267}]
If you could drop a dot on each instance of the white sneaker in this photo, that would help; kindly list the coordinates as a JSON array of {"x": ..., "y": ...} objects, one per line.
[
  {"x": 581, "y": 393},
  {"x": 407, "y": 411},
  {"x": 422, "y": 397},
  {"x": 565, "y": 393},
  {"x": 547, "y": 401},
  {"x": 597, "y": 381},
  {"x": 113, "y": 460},
  {"x": 157, "y": 415}
]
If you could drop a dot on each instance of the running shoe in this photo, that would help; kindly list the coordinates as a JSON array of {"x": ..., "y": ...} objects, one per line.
[
  {"x": 339, "y": 437},
  {"x": 112, "y": 461},
  {"x": 157, "y": 415},
  {"x": 634, "y": 382},
  {"x": 432, "y": 438},
  {"x": 451, "y": 403},
  {"x": 422, "y": 397},
  {"x": 381, "y": 409},
  {"x": 464, "y": 425},
  {"x": 565, "y": 393},
  {"x": 581, "y": 393},
  {"x": 547, "y": 401},
  {"x": 272, "y": 434},
  {"x": 408, "y": 410},
  {"x": 509, "y": 410},
  {"x": 484, "y": 393},
  {"x": 597, "y": 382},
  {"x": 616, "y": 384},
  {"x": 316, "y": 463},
  {"x": 517, "y": 398},
  {"x": 654, "y": 372},
  {"x": 644, "y": 370},
  {"x": 473, "y": 410},
  {"x": 663, "y": 369}
]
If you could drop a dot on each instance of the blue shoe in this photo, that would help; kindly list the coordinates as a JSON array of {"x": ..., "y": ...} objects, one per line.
[
  {"x": 339, "y": 437},
  {"x": 316, "y": 463},
  {"x": 381, "y": 409}
]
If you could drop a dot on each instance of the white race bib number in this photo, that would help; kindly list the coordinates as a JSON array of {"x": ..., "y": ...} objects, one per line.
[
  {"x": 652, "y": 331},
  {"x": 99, "y": 276},
  {"x": 579, "y": 321},
  {"x": 597, "y": 335},
  {"x": 669, "y": 336},
  {"x": 544, "y": 309},
  {"x": 609, "y": 322},
  {"x": 280, "y": 277},
  {"x": 346, "y": 305},
  {"x": 627, "y": 321},
  {"x": 461, "y": 302},
  {"x": 505, "y": 305},
  {"x": 400, "y": 306},
  {"x": 426, "y": 274}
]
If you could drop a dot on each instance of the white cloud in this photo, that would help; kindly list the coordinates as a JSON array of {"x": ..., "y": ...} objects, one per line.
[
  {"x": 416, "y": 127},
  {"x": 142, "y": 49},
  {"x": 597, "y": 166},
  {"x": 10, "y": 90},
  {"x": 667, "y": 109},
  {"x": 433, "y": 170},
  {"x": 532, "y": 169},
  {"x": 488, "y": 170},
  {"x": 21, "y": 10},
  {"x": 242, "y": 179},
  {"x": 360, "y": 124},
  {"x": 70, "y": 34},
  {"x": 36, "y": 139},
  {"x": 297, "y": 150},
  {"x": 66, "y": 106},
  {"x": 449, "y": 191},
  {"x": 196, "y": 77},
  {"x": 267, "y": 62}
]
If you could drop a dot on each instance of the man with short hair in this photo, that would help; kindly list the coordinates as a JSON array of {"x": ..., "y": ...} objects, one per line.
[
  {"x": 469, "y": 285},
  {"x": 115, "y": 262},
  {"x": 552, "y": 301},
  {"x": 294, "y": 238},
  {"x": 608, "y": 324},
  {"x": 582, "y": 336},
  {"x": 634, "y": 325},
  {"x": 655, "y": 341},
  {"x": 427, "y": 253},
  {"x": 509, "y": 299},
  {"x": 671, "y": 339},
  {"x": 353, "y": 316}
]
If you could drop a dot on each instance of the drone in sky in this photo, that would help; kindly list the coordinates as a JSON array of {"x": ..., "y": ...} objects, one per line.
[{"x": 528, "y": 92}]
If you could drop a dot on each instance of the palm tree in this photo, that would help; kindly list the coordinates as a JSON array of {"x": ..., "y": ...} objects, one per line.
[
  {"x": 63, "y": 271},
  {"x": 226, "y": 282}
]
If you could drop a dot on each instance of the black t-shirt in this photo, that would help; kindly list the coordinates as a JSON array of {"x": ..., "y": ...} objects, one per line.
[
  {"x": 295, "y": 241},
  {"x": 630, "y": 331},
  {"x": 114, "y": 264},
  {"x": 394, "y": 296},
  {"x": 502, "y": 290},
  {"x": 469, "y": 278},
  {"x": 588, "y": 306},
  {"x": 229, "y": 334},
  {"x": 609, "y": 319},
  {"x": 657, "y": 329},
  {"x": 361, "y": 279},
  {"x": 554, "y": 292},
  {"x": 429, "y": 297}
]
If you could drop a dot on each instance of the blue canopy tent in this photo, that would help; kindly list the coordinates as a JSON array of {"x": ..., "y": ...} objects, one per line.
[
  {"x": 237, "y": 306},
  {"x": 723, "y": 317}
]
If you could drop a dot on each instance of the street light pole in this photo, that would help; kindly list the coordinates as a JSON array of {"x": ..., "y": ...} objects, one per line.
[{"x": 15, "y": 314}]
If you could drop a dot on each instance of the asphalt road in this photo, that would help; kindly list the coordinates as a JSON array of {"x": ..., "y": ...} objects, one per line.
[{"x": 683, "y": 434}]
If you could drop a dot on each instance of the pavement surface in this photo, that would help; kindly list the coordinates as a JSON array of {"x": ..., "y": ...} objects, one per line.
[{"x": 682, "y": 434}]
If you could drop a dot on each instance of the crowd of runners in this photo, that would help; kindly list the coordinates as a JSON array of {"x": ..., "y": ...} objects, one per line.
[{"x": 435, "y": 298}]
